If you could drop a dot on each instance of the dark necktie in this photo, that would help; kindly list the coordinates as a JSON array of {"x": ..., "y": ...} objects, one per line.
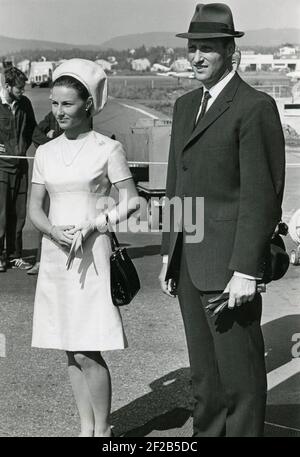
[{"x": 205, "y": 99}]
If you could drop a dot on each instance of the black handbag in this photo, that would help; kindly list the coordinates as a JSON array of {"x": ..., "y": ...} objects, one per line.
[
  {"x": 277, "y": 259},
  {"x": 124, "y": 280}
]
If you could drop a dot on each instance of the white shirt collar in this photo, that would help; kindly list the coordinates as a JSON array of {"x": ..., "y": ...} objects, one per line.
[
  {"x": 215, "y": 91},
  {"x": 217, "y": 88},
  {"x": 4, "y": 100}
]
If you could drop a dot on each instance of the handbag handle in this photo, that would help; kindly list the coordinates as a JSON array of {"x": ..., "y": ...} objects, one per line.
[{"x": 114, "y": 240}]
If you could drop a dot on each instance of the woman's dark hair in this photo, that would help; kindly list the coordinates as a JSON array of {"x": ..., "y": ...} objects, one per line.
[{"x": 73, "y": 83}]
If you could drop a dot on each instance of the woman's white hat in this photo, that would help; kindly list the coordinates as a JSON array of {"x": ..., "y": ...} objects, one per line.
[
  {"x": 91, "y": 75},
  {"x": 294, "y": 224}
]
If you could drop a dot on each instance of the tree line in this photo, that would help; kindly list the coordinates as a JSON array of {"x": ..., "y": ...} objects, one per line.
[{"x": 153, "y": 54}]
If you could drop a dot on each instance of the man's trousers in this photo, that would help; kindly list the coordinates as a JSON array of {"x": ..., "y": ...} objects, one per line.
[
  {"x": 227, "y": 363},
  {"x": 13, "y": 201}
]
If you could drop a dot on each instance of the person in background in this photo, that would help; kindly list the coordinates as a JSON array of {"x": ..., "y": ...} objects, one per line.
[
  {"x": 46, "y": 130},
  {"x": 17, "y": 123}
]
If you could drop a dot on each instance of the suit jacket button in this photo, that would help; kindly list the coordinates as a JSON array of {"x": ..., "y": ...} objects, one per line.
[{"x": 184, "y": 167}]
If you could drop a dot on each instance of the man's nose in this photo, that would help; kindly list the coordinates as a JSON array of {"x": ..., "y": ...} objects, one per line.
[{"x": 198, "y": 57}]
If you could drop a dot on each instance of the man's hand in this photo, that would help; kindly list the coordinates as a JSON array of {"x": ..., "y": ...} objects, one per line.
[
  {"x": 241, "y": 290},
  {"x": 166, "y": 286},
  {"x": 2, "y": 149}
]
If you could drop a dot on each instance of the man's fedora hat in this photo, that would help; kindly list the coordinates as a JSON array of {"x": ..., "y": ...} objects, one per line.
[{"x": 211, "y": 21}]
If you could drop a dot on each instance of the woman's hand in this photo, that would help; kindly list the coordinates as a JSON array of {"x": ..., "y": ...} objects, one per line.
[
  {"x": 62, "y": 234},
  {"x": 86, "y": 228},
  {"x": 81, "y": 232}
]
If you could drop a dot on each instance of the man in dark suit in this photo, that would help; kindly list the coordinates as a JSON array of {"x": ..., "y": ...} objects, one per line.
[{"x": 227, "y": 146}]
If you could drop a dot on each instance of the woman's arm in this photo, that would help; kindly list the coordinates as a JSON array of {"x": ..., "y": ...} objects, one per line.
[
  {"x": 128, "y": 204},
  {"x": 36, "y": 211},
  {"x": 40, "y": 220},
  {"x": 128, "y": 201}
]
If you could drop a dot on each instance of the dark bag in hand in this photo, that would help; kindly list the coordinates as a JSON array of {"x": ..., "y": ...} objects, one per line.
[
  {"x": 124, "y": 279},
  {"x": 277, "y": 261}
]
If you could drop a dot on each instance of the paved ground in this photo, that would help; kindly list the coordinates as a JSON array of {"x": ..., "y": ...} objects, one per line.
[{"x": 151, "y": 378}]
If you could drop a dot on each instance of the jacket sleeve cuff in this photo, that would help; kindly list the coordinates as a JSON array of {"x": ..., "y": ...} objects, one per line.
[
  {"x": 165, "y": 259},
  {"x": 242, "y": 275}
]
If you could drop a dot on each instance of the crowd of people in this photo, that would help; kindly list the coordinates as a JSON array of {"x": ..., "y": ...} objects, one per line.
[{"x": 227, "y": 146}]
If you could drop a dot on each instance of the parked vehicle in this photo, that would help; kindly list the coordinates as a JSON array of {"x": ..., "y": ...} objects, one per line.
[
  {"x": 41, "y": 74},
  {"x": 147, "y": 146}
]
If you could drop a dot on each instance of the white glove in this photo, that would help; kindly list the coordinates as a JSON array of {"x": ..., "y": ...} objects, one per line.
[{"x": 82, "y": 231}]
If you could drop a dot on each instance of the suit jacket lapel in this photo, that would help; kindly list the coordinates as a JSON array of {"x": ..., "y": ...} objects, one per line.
[
  {"x": 220, "y": 105},
  {"x": 191, "y": 113}
]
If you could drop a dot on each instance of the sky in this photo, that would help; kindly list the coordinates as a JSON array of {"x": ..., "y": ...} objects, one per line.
[{"x": 95, "y": 21}]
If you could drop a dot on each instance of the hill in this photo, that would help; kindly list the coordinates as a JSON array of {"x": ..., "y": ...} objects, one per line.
[
  {"x": 12, "y": 45},
  {"x": 263, "y": 37}
]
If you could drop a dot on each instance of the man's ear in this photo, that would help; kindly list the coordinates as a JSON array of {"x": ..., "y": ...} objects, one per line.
[{"x": 230, "y": 49}]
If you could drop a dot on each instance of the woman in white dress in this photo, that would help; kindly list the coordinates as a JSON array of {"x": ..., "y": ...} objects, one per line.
[{"x": 73, "y": 309}]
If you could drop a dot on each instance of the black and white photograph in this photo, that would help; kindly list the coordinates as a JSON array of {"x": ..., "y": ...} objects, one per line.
[{"x": 149, "y": 221}]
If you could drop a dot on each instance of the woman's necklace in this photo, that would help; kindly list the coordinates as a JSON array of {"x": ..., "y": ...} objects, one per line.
[{"x": 73, "y": 153}]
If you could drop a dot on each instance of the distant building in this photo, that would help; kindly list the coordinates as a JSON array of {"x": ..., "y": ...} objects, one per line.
[
  {"x": 248, "y": 52},
  {"x": 285, "y": 64},
  {"x": 265, "y": 62},
  {"x": 41, "y": 73},
  {"x": 132, "y": 52},
  {"x": 180, "y": 65},
  {"x": 104, "y": 64},
  {"x": 140, "y": 64},
  {"x": 256, "y": 62},
  {"x": 287, "y": 50}
]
